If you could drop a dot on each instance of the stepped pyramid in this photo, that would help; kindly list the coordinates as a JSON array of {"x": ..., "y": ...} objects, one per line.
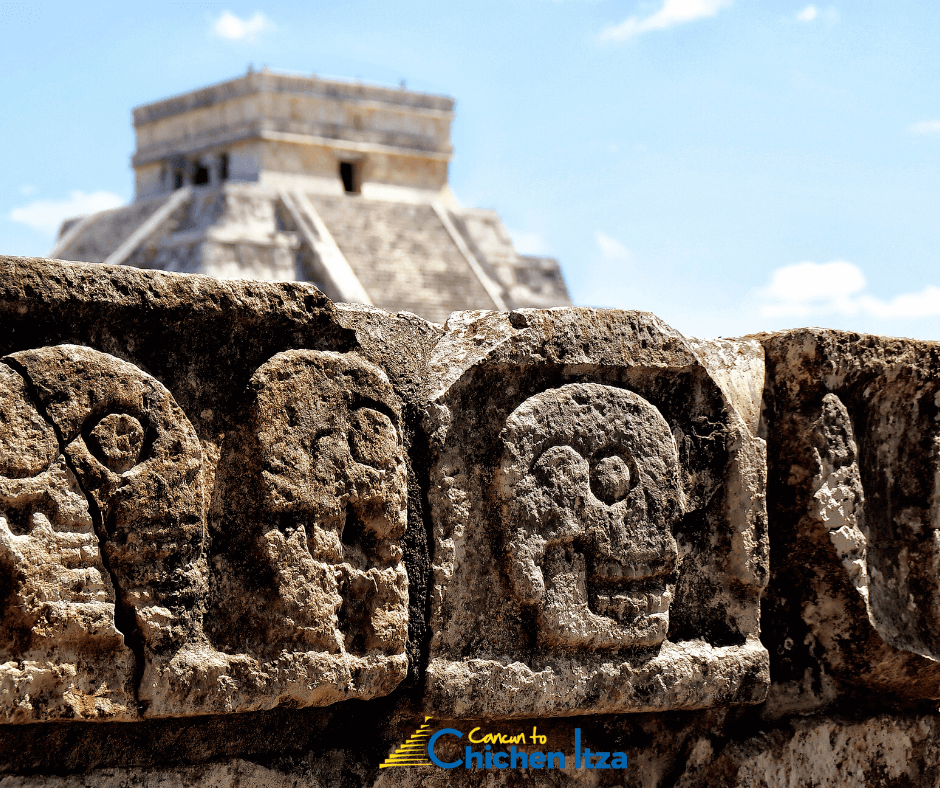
[
  {"x": 287, "y": 177},
  {"x": 414, "y": 751}
]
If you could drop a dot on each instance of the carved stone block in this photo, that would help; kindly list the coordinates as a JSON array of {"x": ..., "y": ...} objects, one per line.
[
  {"x": 600, "y": 533},
  {"x": 853, "y": 429},
  {"x": 61, "y": 654},
  {"x": 204, "y": 494},
  {"x": 311, "y": 595}
]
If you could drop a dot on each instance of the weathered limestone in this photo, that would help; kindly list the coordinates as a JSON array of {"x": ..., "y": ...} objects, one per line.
[
  {"x": 311, "y": 598},
  {"x": 60, "y": 650},
  {"x": 737, "y": 366},
  {"x": 606, "y": 553},
  {"x": 886, "y": 749},
  {"x": 144, "y": 485},
  {"x": 266, "y": 126},
  {"x": 227, "y": 508},
  {"x": 852, "y": 425},
  {"x": 233, "y": 550}
]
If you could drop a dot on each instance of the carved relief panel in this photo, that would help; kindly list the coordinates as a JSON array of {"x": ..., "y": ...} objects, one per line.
[
  {"x": 600, "y": 533},
  {"x": 103, "y": 540},
  {"x": 853, "y": 426},
  {"x": 589, "y": 492},
  {"x": 310, "y": 601},
  {"x": 103, "y": 533},
  {"x": 236, "y": 545}
]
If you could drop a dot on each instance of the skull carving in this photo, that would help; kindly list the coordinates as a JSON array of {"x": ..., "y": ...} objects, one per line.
[
  {"x": 60, "y": 591},
  {"x": 61, "y": 653},
  {"x": 333, "y": 493},
  {"x": 139, "y": 462},
  {"x": 589, "y": 490}
]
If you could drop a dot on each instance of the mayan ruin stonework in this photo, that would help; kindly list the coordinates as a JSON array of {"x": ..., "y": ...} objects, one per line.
[
  {"x": 285, "y": 177},
  {"x": 250, "y": 536}
]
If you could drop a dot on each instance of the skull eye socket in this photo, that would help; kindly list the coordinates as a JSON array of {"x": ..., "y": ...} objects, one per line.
[
  {"x": 373, "y": 438},
  {"x": 612, "y": 478},
  {"x": 560, "y": 468},
  {"x": 116, "y": 441}
]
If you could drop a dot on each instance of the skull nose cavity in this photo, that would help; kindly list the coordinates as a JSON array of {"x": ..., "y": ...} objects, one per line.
[{"x": 611, "y": 479}]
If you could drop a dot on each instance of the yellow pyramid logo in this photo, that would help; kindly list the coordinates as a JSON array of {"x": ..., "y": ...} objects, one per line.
[{"x": 414, "y": 751}]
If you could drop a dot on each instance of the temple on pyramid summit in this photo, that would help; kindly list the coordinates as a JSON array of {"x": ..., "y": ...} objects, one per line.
[{"x": 288, "y": 177}]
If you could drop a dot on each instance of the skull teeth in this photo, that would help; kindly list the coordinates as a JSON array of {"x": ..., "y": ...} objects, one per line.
[{"x": 626, "y": 606}]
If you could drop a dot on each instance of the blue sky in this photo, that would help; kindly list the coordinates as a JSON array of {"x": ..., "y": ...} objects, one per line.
[{"x": 731, "y": 165}]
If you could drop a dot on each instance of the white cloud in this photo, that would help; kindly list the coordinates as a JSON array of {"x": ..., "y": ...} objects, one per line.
[
  {"x": 673, "y": 12},
  {"x": 529, "y": 243},
  {"x": 837, "y": 287},
  {"x": 236, "y": 29},
  {"x": 611, "y": 248},
  {"x": 47, "y": 215},
  {"x": 924, "y": 303},
  {"x": 925, "y": 127},
  {"x": 808, "y": 14}
]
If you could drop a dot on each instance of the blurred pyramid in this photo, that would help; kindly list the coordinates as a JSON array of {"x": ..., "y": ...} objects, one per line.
[{"x": 284, "y": 177}]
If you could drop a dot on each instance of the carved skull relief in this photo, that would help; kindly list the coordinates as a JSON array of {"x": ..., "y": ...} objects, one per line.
[
  {"x": 101, "y": 531},
  {"x": 589, "y": 490},
  {"x": 334, "y": 500},
  {"x": 57, "y": 590},
  {"x": 139, "y": 462}
]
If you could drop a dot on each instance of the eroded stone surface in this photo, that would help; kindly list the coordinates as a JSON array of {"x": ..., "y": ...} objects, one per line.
[
  {"x": 145, "y": 487},
  {"x": 600, "y": 542},
  {"x": 852, "y": 425},
  {"x": 737, "y": 365},
  {"x": 884, "y": 750},
  {"x": 311, "y": 596},
  {"x": 213, "y": 506},
  {"x": 118, "y": 600},
  {"x": 235, "y": 774},
  {"x": 61, "y": 655},
  {"x": 588, "y": 489}
]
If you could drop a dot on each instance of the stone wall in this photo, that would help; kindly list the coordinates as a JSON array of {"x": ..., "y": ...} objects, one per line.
[
  {"x": 250, "y": 537},
  {"x": 297, "y": 124}
]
